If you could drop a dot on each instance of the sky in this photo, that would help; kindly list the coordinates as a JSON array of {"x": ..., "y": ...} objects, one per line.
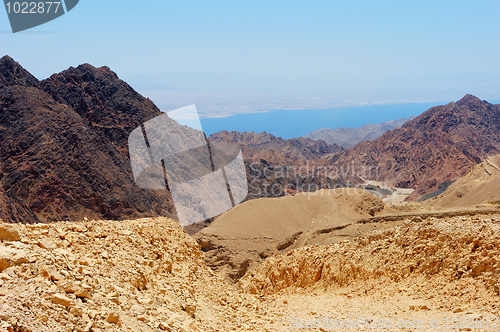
[{"x": 231, "y": 57}]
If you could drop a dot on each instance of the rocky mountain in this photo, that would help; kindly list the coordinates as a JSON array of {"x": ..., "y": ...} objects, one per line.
[
  {"x": 439, "y": 146},
  {"x": 348, "y": 137},
  {"x": 275, "y": 150},
  {"x": 63, "y": 151},
  {"x": 277, "y": 167}
]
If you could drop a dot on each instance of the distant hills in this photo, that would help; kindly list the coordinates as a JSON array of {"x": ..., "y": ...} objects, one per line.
[
  {"x": 348, "y": 137},
  {"x": 439, "y": 146},
  {"x": 277, "y": 166},
  {"x": 275, "y": 150},
  {"x": 63, "y": 146},
  {"x": 426, "y": 153}
]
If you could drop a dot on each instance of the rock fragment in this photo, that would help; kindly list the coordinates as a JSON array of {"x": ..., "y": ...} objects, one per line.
[
  {"x": 61, "y": 300},
  {"x": 113, "y": 318},
  {"x": 9, "y": 232}
]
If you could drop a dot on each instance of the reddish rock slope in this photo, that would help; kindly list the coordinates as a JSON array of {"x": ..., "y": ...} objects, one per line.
[{"x": 440, "y": 145}]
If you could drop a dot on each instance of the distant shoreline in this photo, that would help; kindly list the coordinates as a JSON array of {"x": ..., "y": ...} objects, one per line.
[{"x": 296, "y": 123}]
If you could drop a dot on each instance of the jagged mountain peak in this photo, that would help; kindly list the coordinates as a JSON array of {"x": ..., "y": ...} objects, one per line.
[
  {"x": 101, "y": 98},
  {"x": 469, "y": 99},
  {"x": 12, "y": 73},
  {"x": 7, "y": 58},
  {"x": 85, "y": 73},
  {"x": 95, "y": 72},
  {"x": 64, "y": 146}
]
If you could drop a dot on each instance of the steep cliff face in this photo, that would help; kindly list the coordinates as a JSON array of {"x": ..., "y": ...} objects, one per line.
[
  {"x": 63, "y": 152},
  {"x": 440, "y": 145}
]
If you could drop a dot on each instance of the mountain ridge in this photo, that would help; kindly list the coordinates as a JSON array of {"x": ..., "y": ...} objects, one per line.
[
  {"x": 276, "y": 150},
  {"x": 64, "y": 152},
  {"x": 348, "y": 137},
  {"x": 440, "y": 145}
]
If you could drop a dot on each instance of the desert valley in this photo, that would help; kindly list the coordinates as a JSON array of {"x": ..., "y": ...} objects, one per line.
[{"x": 394, "y": 226}]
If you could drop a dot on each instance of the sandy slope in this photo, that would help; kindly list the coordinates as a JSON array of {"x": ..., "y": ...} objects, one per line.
[
  {"x": 259, "y": 228},
  {"x": 480, "y": 186},
  {"x": 279, "y": 218}
]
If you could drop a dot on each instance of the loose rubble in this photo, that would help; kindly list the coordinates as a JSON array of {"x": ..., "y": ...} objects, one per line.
[
  {"x": 454, "y": 261},
  {"x": 140, "y": 275}
]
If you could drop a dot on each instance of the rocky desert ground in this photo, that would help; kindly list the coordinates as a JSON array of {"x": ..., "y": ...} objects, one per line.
[{"x": 149, "y": 275}]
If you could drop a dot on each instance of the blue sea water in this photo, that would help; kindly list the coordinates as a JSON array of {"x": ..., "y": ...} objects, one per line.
[{"x": 296, "y": 123}]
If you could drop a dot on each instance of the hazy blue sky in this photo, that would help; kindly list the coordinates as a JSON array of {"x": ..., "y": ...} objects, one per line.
[{"x": 249, "y": 55}]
